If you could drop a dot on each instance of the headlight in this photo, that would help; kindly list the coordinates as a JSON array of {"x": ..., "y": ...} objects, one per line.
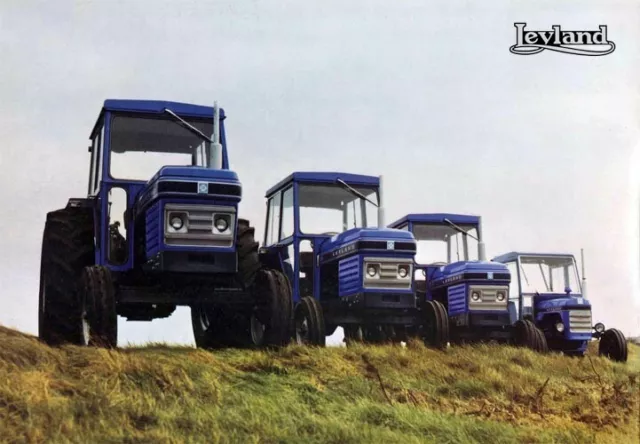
[
  {"x": 599, "y": 327},
  {"x": 221, "y": 224},
  {"x": 176, "y": 222},
  {"x": 560, "y": 327},
  {"x": 403, "y": 271},
  {"x": 372, "y": 270},
  {"x": 475, "y": 296},
  {"x": 500, "y": 296}
]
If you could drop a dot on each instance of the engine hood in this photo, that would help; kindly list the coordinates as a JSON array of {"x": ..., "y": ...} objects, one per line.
[
  {"x": 469, "y": 269},
  {"x": 190, "y": 182},
  {"x": 355, "y": 239},
  {"x": 195, "y": 173},
  {"x": 560, "y": 301}
]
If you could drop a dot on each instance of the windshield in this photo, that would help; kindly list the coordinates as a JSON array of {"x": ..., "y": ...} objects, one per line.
[
  {"x": 550, "y": 274},
  {"x": 444, "y": 243},
  {"x": 140, "y": 146},
  {"x": 335, "y": 208}
]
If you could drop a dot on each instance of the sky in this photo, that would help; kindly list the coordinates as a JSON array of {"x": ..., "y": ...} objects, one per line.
[{"x": 545, "y": 147}]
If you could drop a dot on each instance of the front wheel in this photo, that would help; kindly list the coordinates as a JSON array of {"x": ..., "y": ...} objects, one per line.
[
  {"x": 309, "y": 323},
  {"x": 613, "y": 345}
]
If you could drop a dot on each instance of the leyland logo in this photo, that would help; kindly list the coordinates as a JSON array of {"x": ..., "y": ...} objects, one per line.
[{"x": 585, "y": 43}]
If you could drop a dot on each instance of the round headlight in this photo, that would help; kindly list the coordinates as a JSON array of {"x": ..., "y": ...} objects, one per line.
[
  {"x": 500, "y": 296},
  {"x": 599, "y": 327},
  {"x": 372, "y": 271},
  {"x": 403, "y": 272},
  {"x": 221, "y": 224},
  {"x": 475, "y": 296},
  {"x": 176, "y": 222},
  {"x": 560, "y": 327}
]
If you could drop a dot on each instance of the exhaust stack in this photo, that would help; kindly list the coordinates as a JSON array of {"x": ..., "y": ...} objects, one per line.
[
  {"x": 584, "y": 277},
  {"x": 482, "y": 254},
  {"x": 215, "y": 154},
  {"x": 380, "y": 206}
]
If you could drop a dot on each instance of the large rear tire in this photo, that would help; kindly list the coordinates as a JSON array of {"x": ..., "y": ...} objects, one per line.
[
  {"x": 99, "y": 316},
  {"x": 67, "y": 247},
  {"x": 436, "y": 325},
  {"x": 273, "y": 296},
  {"x": 526, "y": 335},
  {"x": 221, "y": 327},
  {"x": 309, "y": 323},
  {"x": 613, "y": 345}
]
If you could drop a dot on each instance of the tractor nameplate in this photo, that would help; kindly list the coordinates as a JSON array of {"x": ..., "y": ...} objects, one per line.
[
  {"x": 203, "y": 187},
  {"x": 391, "y": 245}
]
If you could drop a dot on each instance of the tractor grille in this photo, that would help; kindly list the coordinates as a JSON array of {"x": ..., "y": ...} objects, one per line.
[
  {"x": 488, "y": 298},
  {"x": 388, "y": 273},
  {"x": 580, "y": 321},
  {"x": 199, "y": 229}
]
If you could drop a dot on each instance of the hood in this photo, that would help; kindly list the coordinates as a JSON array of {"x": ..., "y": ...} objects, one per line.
[
  {"x": 195, "y": 173},
  {"x": 560, "y": 301},
  {"x": 370, "y": 238},
  {"x": 484, "y": 269}
]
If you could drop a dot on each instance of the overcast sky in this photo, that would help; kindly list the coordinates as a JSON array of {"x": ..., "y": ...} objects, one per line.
[{"x": 426, "y": 93}]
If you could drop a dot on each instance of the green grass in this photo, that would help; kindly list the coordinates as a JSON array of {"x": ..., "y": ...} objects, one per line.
[{"x": 158, "y": 394}]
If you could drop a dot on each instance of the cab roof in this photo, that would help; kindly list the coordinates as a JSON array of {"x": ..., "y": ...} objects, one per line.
[
  {"x": 513, "y": 255},
  {"x": 324, "y": 177},
  {"x": 437, "y": 218},
  {"x": 155, "y": 107}
]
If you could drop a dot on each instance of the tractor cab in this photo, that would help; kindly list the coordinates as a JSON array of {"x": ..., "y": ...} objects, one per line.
[
  {"x": 548, "y": 292},
  {"x": 544, "y": 283},
  {"x": 451, "y": 269},
  {"x": 159, "y": 172},
  {"x": 322, "y": 230}
]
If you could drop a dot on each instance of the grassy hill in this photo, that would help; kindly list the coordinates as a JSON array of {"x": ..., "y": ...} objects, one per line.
[{"x": 388, "y": 394}]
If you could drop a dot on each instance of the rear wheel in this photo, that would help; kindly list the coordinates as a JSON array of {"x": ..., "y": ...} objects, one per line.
[
  {"x": 217, "y": 327},
  {"x": 541, "y": 345},
  {"x": 436, "y": 325},
  {"x": 67, "y": 247},
  {"x": 526, "y": 335},
  {"x": 309, "y": 322},
  {"x": 99, "y": 317},
  {"x": 613, "y": 345}
]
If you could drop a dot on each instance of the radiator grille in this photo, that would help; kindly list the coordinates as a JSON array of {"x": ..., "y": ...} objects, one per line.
[
  {"x": 580, "y": 321},
  {"x": 388, "y": 276},
  {"x": 488, "y": 298},
  {"x": 199, "y": 229}
]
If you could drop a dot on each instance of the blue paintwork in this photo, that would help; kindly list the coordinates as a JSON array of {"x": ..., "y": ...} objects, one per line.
[
  {"x": 153, "y": 208},
  {"x": 436, "y": 218},
  {"x": 324, "y": 177},
  {"x": 355, "y": 234},
  {"x": 195, "y": 173}
]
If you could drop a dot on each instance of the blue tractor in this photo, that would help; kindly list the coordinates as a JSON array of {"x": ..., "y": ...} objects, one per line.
[
  {"x": 323, "y": 231},
  {"x": 181, "y": 241},
  {"x": 474, "y": 291},
  {"x": 547, "y": 291}
]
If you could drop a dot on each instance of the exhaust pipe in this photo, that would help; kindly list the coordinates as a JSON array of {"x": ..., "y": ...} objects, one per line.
[
  {"x": 482, "y": 253},
  {"x": 584, "y": 277},
  {"x": 215, "y": 154},
  {"x": 380, "y": 206}
]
